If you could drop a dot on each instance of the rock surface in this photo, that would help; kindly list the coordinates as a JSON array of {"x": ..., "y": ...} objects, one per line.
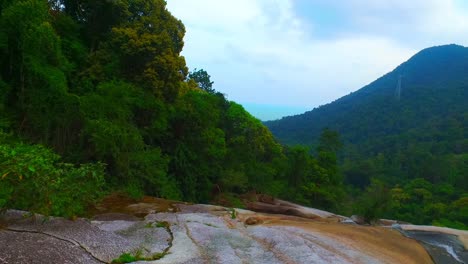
[
  {"x": 183, "y": 233},
  {"x": 276, "y": 206},
  {"x": 444, "y": 245},
  {"x": 461, "y": 234}
]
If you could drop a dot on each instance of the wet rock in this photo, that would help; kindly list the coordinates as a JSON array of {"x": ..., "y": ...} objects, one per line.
[
  {"x": 443, "y": 248},
  {"x": 462, "y": 235},
  {"x": 388, "y": 222}
]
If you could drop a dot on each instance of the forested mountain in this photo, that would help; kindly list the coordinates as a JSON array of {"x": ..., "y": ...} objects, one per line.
[
  {"x": 417, "y": 139},
  {"x": 95, "y": 98},
  {"x": 433, "y": 97}
]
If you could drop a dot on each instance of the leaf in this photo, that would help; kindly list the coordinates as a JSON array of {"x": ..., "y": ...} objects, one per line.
[
  {"x": 4, "y": 175},
  {"x": 31, "y": 168}
]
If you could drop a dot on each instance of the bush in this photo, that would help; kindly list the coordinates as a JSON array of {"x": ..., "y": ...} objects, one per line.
[
  {"x": 374, "y": 202},
  {"x": 33, "y": 178}
]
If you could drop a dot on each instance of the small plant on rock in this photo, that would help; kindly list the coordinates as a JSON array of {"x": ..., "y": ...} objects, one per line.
[{"x": 233, "y": 213}]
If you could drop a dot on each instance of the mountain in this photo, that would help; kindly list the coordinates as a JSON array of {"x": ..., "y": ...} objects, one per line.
[
  {"x": 408, "y": 153},
  {"x": 432, "y": 108}
]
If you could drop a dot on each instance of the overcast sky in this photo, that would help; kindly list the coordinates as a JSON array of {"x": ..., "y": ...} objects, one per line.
[{"x": 283, "y": 57}]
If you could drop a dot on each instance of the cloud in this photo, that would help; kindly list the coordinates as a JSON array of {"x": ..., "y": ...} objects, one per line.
[
  {"x": 404, "y": 20},
  {"x": 264, "y": 52}
]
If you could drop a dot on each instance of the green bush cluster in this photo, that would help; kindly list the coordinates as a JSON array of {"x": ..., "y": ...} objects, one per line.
[{"x": 33, "y": 178}]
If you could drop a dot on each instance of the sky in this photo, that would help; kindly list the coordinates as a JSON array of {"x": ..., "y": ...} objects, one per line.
[{"x": 285, "y": 57}]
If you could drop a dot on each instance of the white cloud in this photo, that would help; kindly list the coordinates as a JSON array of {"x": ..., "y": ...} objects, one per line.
[
  {"x": 261, "y": 51},
  {"x": 400, "y": 19}
]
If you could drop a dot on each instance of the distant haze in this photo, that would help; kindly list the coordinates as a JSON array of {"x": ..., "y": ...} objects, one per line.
[{"x": 282, "y": 57}]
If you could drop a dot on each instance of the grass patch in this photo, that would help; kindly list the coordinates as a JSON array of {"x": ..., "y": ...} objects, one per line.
[
  {"x": 125, "y": 258},
  {"x": 128, "y": 258},
  {"x": 164, "y": 224},
  {"x": 233, "y": 213}
]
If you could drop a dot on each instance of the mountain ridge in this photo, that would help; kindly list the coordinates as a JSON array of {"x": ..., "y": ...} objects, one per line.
[{"x": 431, "y": 68}]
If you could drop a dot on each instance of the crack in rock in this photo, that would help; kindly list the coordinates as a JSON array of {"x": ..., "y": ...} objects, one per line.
[
  {"x": 169, "y": 243},
  {"x": 73, "y": 242},
  {"x": 202, "y": 251}
]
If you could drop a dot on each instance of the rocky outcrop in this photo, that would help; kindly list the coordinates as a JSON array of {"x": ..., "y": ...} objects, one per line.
[
  {"x": 267, "y": 204},
  {"x": 461, "y": 234},
  {"x": 200, "y": 234},
  {"x": 444, "y": 245},
  {"x": 101, "y": 241}
]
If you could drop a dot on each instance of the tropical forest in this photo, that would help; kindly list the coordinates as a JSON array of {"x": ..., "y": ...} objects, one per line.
[{"x": 96, "y": 98}]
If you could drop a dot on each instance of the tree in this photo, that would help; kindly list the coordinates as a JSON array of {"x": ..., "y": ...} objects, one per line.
[
  {"x": 34, "y": 67},
  {"x": 329, "y": 145},
  {"x": 144, "y": 48},
  {"x": 299, "y": 161},
  {"x": 329, "y": 141},
  {"x": 374, "y": 202},
  {"x": 202, "y": 78}
]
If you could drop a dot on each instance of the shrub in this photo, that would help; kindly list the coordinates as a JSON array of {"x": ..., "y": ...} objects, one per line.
[{"x": 33, "y": 178}]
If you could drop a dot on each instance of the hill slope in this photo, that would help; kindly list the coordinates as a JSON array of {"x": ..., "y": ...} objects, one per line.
[
  {"x": 413, "y": 148},
  {"x": 433, "y": 101}
]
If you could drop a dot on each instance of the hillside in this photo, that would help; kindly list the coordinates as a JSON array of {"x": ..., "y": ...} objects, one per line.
[
  {"x": 432, "y": 106},
  {"x": 414, "y": 147}
]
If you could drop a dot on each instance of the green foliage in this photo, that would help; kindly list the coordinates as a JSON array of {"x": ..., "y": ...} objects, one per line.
[
  {"x": 163, "y": 224},
  {"x": 144, "y": 48},
  {"x": 33, "y": 179},
  {"x": 149, "y": 167},
  {"x": 4, "y": 117},
  {"x": 125, "y": 258},
  {"x": 105, "y": 82},
  {"x": 231, "y": 200},
  {"x": 252, "y": 146},
  {"x": 134, "y": 190},
  {"x": 234, "y": 181},
  {"x": 202, "y": 78},
  {"x": 422, "y": 202},
  {"x": 233, "y": 213},
  {"x": 128, "y": 257},
  {"x": 415, "y": 146},
  {"x": 374, "y": 202}
]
